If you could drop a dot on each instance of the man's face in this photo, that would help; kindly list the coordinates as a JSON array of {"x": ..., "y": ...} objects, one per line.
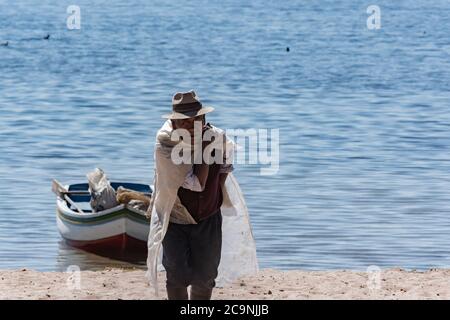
[{"x": 188, "y": 124}]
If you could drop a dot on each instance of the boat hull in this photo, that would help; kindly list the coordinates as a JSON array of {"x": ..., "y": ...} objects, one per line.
[
  {"x": 120, "y": 247},
  {"x": 118, "y": 233}
]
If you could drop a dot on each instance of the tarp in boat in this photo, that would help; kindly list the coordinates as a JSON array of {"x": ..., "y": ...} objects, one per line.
[{"x": 103, "y": 195}]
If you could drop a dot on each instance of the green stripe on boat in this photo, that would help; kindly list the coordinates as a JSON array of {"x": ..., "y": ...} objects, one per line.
[{"x": 104, "y": 218}]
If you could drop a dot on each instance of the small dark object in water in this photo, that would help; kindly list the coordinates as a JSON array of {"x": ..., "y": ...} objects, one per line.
[
  {"x": 47, "y": 37},
  {"x": 287, "y": 49},
  {"x": 5, "y": 44}
]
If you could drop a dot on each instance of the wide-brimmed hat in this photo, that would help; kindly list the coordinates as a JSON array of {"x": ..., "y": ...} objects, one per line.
[{"x": 186, "y": 105}]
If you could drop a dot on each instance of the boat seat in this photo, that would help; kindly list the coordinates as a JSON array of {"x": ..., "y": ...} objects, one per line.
[{"x": 85, "y": 206}]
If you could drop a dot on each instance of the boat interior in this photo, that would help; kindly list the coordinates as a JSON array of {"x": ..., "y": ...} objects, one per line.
[{"x": 82, "y": 199}]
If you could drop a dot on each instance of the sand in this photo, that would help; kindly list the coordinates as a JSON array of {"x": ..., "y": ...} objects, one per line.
[{"x": 267, "y": 284}]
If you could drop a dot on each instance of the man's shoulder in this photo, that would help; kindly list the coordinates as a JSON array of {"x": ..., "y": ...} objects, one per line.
[{"x": 215, "y": 129}]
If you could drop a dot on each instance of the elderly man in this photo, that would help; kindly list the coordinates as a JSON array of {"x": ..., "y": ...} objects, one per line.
[{"x": 192, "y": 248}]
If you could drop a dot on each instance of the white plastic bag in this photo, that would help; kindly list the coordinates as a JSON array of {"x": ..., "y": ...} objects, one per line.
[{"x": 103, "y": 196}]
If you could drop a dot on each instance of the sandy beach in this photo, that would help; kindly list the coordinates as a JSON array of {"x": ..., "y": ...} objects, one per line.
[{"x": 267, "y": 284}]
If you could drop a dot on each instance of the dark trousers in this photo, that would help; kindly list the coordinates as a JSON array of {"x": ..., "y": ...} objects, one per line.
[{"x": 191, "y": 253}]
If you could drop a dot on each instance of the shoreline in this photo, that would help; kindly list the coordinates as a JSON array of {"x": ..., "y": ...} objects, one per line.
[{"x": 268, "y": 284}]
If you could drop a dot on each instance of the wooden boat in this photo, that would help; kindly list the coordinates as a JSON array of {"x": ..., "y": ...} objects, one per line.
[{"x": 120, "y": 232}]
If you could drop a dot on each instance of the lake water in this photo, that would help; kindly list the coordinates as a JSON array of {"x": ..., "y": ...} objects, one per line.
[{"x": 363, "y": 114}]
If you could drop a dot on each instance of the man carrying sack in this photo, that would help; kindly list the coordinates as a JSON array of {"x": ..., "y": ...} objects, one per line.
[{"x": 194, "y": 189}]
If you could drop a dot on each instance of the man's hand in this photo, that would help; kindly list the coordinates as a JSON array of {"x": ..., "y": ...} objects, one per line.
[
  {"x": 202, "y": 170},
  {"x": 204, "y": 129}
]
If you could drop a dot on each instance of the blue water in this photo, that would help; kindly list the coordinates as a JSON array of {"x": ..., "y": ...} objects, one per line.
[{"x": 363, "y": 115}]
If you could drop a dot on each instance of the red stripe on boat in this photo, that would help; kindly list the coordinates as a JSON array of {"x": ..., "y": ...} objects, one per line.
[{"x": 121, "y": 247}]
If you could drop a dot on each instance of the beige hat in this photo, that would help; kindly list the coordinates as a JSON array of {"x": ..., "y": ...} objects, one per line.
[{"x": 186, "y": 105}]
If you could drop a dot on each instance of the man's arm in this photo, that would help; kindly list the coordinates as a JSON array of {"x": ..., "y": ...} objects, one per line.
[
  {"x": 197, "y": 177},
  {"x": 222, "y": 178},
  {"x": 201, "y": 171}
]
